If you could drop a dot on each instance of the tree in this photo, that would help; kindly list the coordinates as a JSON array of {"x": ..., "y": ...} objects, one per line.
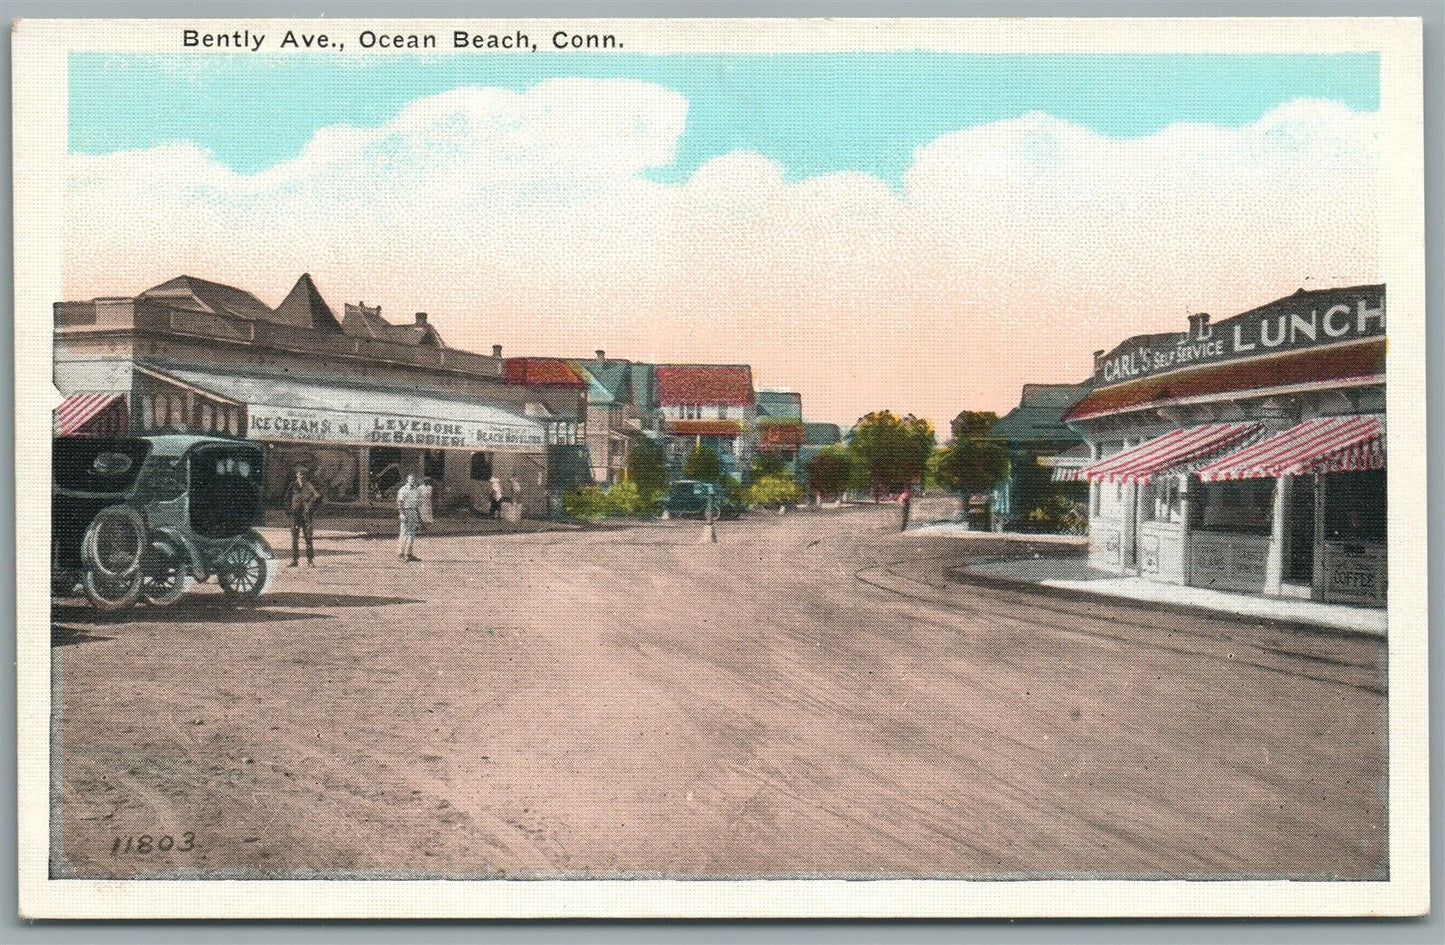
[
  {"x": 781, "y": 489},
  {"x": 828, "y": 472},
  {"x": 647, "y": 466},
  {"x": 969, "y": 467},
  {"x": 973, "y": 424},
  {"x": 765, "y": 463},
  {"x": 894, "y": 450},
  {"x": 702, "y": 465}
]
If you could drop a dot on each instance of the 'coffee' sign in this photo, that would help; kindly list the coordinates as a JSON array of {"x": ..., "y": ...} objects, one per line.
[
  {"x": 345, "y": 426},
  {"x": 1303, "y": 320}
]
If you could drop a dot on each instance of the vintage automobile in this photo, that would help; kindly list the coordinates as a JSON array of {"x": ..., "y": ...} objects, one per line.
[
  {"x": 690, "y": 499},
  {"x": 141, "y": 518}
]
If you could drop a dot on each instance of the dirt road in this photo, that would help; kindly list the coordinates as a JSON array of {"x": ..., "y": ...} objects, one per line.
[{"x": 807, "y": 697}]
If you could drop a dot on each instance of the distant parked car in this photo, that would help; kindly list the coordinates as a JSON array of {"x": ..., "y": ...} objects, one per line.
[{"x": 689, "y": 499}]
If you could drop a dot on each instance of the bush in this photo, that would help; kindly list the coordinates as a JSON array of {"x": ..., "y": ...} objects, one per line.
[
  {"x": 622, "y": 500},
  {"x": 782, "y": 489}
]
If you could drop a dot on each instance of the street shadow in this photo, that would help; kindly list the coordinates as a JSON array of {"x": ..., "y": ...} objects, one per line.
[
  {"x": 184, "y": 611},
  {"x": 316, "y": 599},
  {"x": 61, "y": 635}
]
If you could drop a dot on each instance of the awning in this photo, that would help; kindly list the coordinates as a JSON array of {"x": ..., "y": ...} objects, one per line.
[
  {"x": 704, "y": 427},
  {"x": 1069, "y": 464},
  {"x": 1175, "y": 448},
  {"x": 315, "y": 411},
  {"x": 1324, "y": 445},
  {"x": 80, "y": 409}
]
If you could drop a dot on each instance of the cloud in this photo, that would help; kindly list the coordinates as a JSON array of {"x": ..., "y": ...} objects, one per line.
[{"x": 1010, "y": 251}]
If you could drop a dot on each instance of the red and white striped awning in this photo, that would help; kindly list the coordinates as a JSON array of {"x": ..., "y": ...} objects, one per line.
[
  {"x": 78, "y": 410},
  {"x": 1175, "y": 448},
  {"x": 1323, "y": 445}
]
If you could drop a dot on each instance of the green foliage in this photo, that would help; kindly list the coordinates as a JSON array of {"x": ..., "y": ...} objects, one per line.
[
  {"x": 893, "y": 450},
  {"x": 829, "y": 472},
  {"x": 973, "y": 424},
  {"x": 764, "y": 464},
  {"x": 647, "y": 466},
  {"x": 621, "y": 500},
  {"x": 732, "y": 488},
  {"x": 702, "y": 465},
  {"x": 1060, "y": 515},
  {"x": 972, "y": 466},
  {"x": 782, "y": 489}
]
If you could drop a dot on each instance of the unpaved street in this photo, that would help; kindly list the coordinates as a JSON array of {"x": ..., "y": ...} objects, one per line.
[{"x": 805, "y": 697}]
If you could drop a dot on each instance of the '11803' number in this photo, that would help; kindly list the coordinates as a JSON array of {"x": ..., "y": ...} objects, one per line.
[{"x": 145, "y": 844}]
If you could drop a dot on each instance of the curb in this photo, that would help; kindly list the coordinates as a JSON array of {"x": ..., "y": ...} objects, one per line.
[{"x": 961, "y": 575}]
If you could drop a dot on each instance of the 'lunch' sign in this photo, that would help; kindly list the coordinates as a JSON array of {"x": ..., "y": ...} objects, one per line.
[{"x": 1303, "y": 320}]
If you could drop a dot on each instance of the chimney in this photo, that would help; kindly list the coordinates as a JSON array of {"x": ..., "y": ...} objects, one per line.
[
  {"x": 1199, "y": 329},
  {"x": 601, "y": 355},
  {"x": 496, "y": 351},
  {"x": 421, "y": 319},
  {"x": 1098, "y": 359}
]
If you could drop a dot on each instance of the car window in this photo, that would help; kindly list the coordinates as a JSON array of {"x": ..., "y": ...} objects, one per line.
[{"x": 95, "y": 464}]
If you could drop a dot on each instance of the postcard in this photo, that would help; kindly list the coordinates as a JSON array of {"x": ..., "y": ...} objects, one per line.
[{"x": 745, "y": 468}]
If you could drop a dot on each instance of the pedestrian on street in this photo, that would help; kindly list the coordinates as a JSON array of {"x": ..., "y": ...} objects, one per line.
[
  {"x": 426, "y": 487},
  {"x": 906, "y": 500},
  {"x": 408, "y": 506},
  {"x": 496, "y": 498},
  {"x": 301, "y": 500}
]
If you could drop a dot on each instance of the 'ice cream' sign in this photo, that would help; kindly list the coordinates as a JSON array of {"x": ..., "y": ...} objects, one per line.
[{"x": 1303, "y": 320}]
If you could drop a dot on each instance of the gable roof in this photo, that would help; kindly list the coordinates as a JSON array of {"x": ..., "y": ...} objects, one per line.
[
  {"x": 552, "y": 371},
  {"x": 304, "y": 307},
  {"x": 202, "y": 295},
  {"x": 1039, "y": 417},
  {"x": 609, "y": 382},
  {"x": 821, "y": 434},
  {"x": 363, "y": 321},
  {"x": 730, "y": 384}
]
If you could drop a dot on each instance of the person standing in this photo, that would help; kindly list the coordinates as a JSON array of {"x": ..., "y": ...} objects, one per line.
[
  {"x": 496, "y": 498},
  {"x": 408, "y": 506},
  {"x": 906, "y": 500},
  {"x": 301, "y": 500}
]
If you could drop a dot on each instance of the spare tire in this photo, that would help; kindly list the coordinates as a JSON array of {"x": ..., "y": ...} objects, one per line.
[{"x": 115, "y": 541}]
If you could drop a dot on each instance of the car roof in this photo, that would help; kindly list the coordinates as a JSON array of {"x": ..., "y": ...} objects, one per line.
[{"x": 176, "y": 444}]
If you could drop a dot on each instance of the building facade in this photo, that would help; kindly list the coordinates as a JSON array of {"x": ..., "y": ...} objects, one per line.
[
  {"x": 1036, "y": 437},
  {"x": 710, "y": 405},
  {"x": 358, "y": 404},
  {"x": 1246, "y": 455}
]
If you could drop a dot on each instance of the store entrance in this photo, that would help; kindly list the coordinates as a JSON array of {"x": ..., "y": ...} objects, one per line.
[{"x": 1299, "y": 566}]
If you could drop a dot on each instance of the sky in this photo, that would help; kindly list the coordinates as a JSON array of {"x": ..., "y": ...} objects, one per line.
[{"x": 916, "y": 231}]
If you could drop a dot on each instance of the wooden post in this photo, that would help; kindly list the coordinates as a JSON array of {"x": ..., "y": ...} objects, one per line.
[{"x": 1274, "y": 563}]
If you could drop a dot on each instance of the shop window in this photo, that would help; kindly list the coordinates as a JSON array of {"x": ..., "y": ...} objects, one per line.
[
  {"x": 1163, "y": 501},
  {"x": 481, "y": 467},
  {"x": 434, "y": 464},
  {"x": 236, "y": 422},
  {"x": 1240, "y": 508},
  {"x": 1355, "y": 506},
  {"x": 722, "y": 412},
  {"x": 208, "y": 418}
]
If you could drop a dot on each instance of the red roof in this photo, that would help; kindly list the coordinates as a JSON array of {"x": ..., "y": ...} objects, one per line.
[
  {"x": 704, "y": 384},
  {"x": 1353, "y": 362},
  {"x": 704, "y": 427},
  {"x": 785, "y": 435},
  {"x": 541, "y": 371}
]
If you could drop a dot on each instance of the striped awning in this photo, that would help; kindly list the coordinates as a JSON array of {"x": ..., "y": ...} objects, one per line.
[
  {"x": 78, "y": 410},
  {"x": 1163, "y": 453},
  {"x": 1323, "y": 445}
]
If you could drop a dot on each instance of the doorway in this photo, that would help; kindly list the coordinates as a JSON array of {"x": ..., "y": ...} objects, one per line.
[{"x": 1299, "y": 566}]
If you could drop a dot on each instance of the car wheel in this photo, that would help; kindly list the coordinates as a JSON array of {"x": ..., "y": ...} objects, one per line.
[
  {"x": 167, "y": 575},
  {"x": 114, "y": 542},
  {"x": 243, "y": 572},
  {"x": 111, "y": 593}
]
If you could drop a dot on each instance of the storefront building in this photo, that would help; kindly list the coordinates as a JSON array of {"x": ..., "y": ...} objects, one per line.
[
  {"x": 358, "y": 404},
  {"x": 1246, "y": 455},
  {"x": 710, "y": 405}
]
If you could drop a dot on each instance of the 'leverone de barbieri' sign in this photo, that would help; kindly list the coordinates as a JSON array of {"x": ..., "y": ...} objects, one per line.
[
  {"x": 1303, "y": 320},
  {"x": 347, "y": 426}
]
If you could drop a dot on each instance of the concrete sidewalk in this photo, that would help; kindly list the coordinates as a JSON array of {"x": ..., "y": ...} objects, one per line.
[{"x": 1075, "y": 577}]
